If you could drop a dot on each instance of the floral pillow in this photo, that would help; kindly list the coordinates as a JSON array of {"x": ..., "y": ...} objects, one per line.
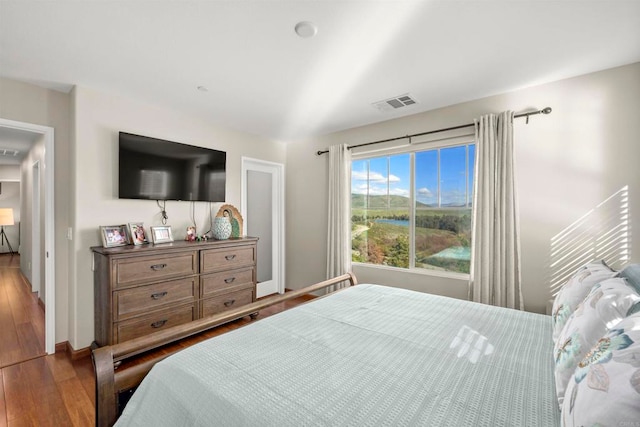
[
  {"x": 607, "y": 304},
  {"x": 575, "y": 290},
  {"x": 605, "y": 388}
]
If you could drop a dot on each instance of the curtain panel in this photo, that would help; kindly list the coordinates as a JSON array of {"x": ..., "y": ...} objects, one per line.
[
  {"x": 495, "y": 256},
  {"x": 339, "y": 205}
]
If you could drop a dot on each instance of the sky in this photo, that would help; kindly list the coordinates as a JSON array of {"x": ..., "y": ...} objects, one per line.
[{"x": 391, "y": 174}]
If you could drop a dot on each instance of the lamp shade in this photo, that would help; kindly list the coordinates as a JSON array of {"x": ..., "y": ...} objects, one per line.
[{"x": 6, "y": 216}]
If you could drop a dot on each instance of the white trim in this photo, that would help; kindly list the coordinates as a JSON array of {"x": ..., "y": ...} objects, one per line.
[
  {"x": 49, "y": 226},
  {"x": 278, "y": 212}
]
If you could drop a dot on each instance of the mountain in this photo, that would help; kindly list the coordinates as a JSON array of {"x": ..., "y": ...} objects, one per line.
[{"x": 380, "y": 202}]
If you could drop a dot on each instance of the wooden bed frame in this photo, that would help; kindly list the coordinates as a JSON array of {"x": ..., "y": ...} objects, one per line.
[{"x": 110, "y": 382}]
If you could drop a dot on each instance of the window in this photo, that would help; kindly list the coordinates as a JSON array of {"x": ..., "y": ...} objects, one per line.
[{"x": 413, "y": 210}]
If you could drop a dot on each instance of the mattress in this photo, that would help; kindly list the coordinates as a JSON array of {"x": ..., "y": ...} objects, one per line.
[{"x": 367, "y": 355}]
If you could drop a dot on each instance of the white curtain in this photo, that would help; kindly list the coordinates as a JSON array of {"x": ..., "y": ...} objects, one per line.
[
  {"x": 495, "y": 254},
  {"x": 339, "y": 223}
]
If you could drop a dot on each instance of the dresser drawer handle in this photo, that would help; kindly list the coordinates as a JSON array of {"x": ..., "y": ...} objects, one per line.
[
  {"x": 157, "y": 267},
  {"x": 229, "y": 257},
  {"x": 159, "y": 295},
  {"x": 229, "y": 280},
  {"x": 229, "y": 303},
  {"x": 159, "y": 323}
]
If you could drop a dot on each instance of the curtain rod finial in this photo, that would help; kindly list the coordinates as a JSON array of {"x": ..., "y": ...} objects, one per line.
[{"x": 546, "y": 110}]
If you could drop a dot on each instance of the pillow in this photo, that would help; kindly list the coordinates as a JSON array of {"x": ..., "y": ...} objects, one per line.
[
  {"x": 632, "y": 274},
  {"x": 605, "y": 388},
  {"x": 575, "y": 290},
  {"x": 606, "y": 305}
]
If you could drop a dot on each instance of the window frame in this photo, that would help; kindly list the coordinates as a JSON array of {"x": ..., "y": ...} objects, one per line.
[{"x": 412, "y": 149}]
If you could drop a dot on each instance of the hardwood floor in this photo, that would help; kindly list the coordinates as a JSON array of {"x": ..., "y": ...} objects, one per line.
[
  {"x": 21, "y": 317},
  {"x": 54, "y": 390}
]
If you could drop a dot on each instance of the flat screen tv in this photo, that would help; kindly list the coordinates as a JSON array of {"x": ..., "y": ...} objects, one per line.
[{"x": 156, "y": 169}]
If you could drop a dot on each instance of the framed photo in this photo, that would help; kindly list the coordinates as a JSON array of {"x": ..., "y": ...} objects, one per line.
[
  {"x": 114, "y": 235},
  {"x": 138, "y": 233},
  {"x": 161, "y": 234}
]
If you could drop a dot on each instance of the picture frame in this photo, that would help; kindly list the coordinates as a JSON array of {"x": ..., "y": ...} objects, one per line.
[
  {"x": 137, "y": 233},
  {"x": 161, "y": 234},
  {"x": 114, "y": 235}
]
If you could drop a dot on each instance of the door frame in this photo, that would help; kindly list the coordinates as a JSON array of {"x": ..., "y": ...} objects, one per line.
[
  {"x": 278, "y": 212},
  {"x": 36, "y": 229},
  {"x": 48, "y": 251}
]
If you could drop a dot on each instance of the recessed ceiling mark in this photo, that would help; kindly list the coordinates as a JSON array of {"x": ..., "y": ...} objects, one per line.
[{"x": 306, "y": 29}]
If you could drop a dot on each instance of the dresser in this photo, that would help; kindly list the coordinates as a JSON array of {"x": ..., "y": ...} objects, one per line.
[{"x": 142, "y": 289}]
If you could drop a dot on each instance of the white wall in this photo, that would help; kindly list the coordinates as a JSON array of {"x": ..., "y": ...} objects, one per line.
[
  {"x": 569, "y": 162},
  {"x": 10, "y": 198},
  {"x": 36, "y": 154},
  {"x": 27, "y": 103},
  {"x": 97, "y": 119}
]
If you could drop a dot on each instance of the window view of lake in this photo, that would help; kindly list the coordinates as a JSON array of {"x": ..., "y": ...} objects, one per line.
[{"x": 382, "y": 207}]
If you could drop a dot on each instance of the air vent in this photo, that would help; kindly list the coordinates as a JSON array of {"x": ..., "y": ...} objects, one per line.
[
  {"x": 395, "y": 103},
  {"x": 8, "y": 152}
]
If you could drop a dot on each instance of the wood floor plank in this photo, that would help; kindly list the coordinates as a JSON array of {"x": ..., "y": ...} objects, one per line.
[
  {"x": 32, "y": 395},
  {"x": 3, "y": 405},
  {"x": 21, "y": 317},
  {"x": 80, "y": 408}
]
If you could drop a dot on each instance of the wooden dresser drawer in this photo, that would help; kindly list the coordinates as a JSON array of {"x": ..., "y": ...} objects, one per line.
[
  {"x": 154, "y": 322},
  {"x": 139, "y": 290},
  {"x": 224, "y": 281},
  {"x": 227, "y": 301},
  {"x": 133, "y": 301},
  {"x": 154, "y": 268},
  {"x": 226, "y": 258}
]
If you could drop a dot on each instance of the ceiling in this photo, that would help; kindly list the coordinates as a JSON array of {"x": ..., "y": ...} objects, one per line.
[
  {"x": 264, "y": 79},
  {"x": 15, "y": 144}
]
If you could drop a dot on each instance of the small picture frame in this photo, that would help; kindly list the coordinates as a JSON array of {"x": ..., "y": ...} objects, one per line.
[
  {"x": 114, "y": 235},
  {"x": 138, "y": 233},
  {"x": 161, "y": 234}
]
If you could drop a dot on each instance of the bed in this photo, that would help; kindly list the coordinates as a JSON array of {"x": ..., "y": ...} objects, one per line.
[{"x": 364, "y": 355}]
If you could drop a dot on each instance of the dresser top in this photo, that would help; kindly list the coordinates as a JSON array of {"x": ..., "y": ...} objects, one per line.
[{"x": 178, "y": 244}]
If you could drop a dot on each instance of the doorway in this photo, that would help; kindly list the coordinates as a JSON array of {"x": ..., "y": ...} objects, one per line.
[
  {"x": 263, "y": 212},
  {"x": 35, "y": 228},
  {"x": 45, "y": 265}
]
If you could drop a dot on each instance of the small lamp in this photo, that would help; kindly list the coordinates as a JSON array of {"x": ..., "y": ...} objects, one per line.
[{"x": 6, "y": 218}]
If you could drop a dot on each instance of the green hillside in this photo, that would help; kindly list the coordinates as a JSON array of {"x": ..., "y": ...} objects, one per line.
[{"x": 381, "y": 202}]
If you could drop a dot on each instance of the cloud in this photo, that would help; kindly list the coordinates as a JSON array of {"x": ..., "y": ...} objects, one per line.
[
  {"x": 372, "y": 176},
  {"x": 424, "y": 192}
]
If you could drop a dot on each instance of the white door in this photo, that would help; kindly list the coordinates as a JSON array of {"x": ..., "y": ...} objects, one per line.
[{"x": 263, "y": 213}]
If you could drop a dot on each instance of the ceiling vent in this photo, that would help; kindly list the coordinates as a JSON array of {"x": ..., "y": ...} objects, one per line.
[
  {"x": 8, "y": 152},
  {"x": 394, "y": 103}
]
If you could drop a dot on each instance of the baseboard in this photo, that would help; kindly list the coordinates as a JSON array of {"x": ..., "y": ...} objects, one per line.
[{"x": 65, "y": 347}]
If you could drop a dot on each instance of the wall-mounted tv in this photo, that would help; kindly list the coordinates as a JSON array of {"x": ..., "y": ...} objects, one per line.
[{"x": 156, "y": 169}]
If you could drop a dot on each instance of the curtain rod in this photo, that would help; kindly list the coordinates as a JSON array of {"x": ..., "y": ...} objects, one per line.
[{"x": 546, "y": 110}]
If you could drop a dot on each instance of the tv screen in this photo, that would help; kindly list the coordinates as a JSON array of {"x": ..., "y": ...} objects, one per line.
[{"x": 156, "y": 169}]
